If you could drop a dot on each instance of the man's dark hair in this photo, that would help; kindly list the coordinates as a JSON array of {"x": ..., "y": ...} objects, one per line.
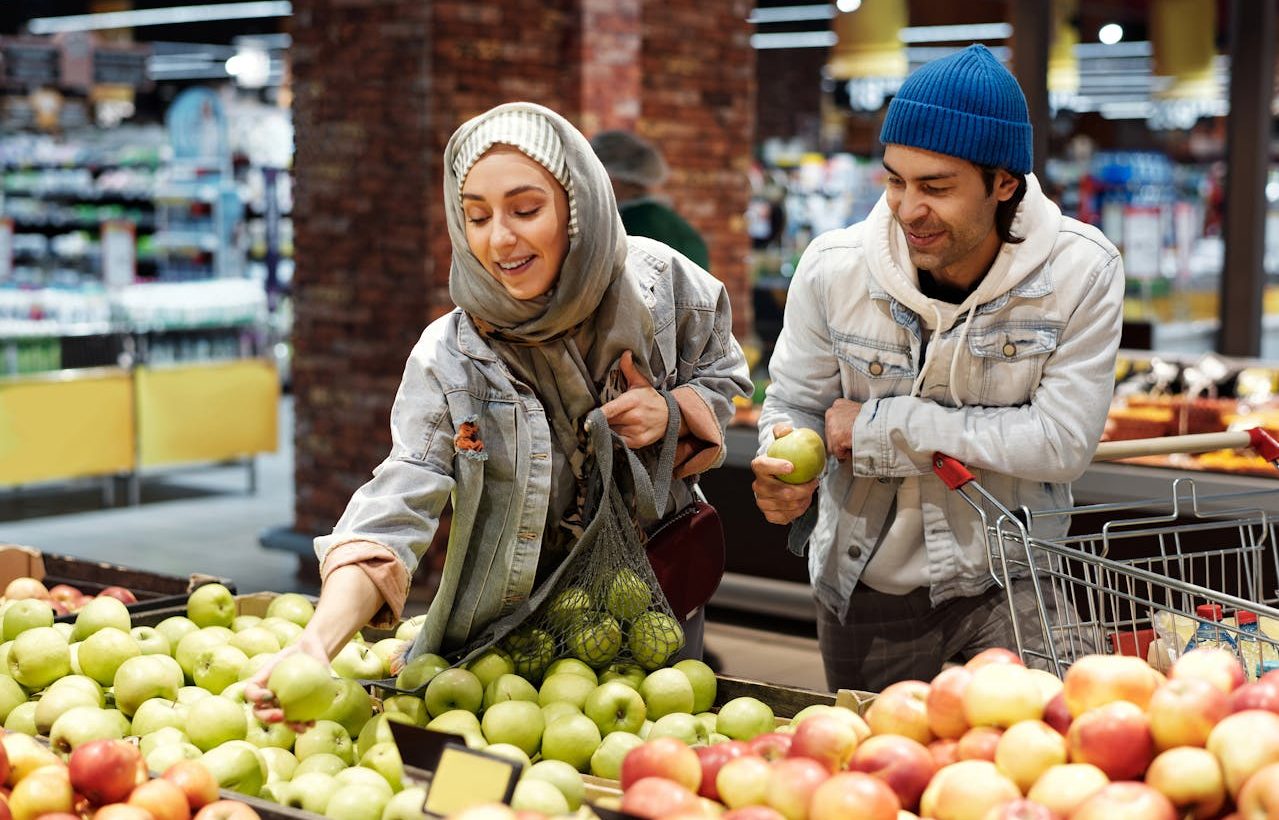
[{"x": 1005, "y": 211}]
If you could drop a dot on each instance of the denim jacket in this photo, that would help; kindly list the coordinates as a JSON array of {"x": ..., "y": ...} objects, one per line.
[
  {"x": 500, "y": 494},
  {"x": 1016, "y": 385}
]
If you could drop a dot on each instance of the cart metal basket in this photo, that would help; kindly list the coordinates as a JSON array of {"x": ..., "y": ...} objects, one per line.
[{"x": 1130, "y": 575}]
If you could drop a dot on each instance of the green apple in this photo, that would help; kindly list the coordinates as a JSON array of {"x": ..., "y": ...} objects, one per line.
[
  {"x": 280, "y": 763},
  {"x": 150, "y": 640},
  {"x": 665, "y": 691},
  {"x": 615, "y": 707},
  {"x": 517, "y": 722},
  {"x": 188, "y": 695},
  {"x": 388, "y": 649},
  {"x": 189, "y": 649},
  {"x": 175, "y": 628},
  {"x": 267, "y": 735},
  {"x": 303, "y": 686},
  {"x": 255, "y": 640},
  {"x": 218, "y": 667},
  {"x": 704, "y": 682},
  {"x": 407, "y": 630},
  {"x": 356, "y": 802},
  {"x": 373, "y": 732},
  {"x": 157, "y": 713},
  {"x": 311, "y": 791},
  {"x": 453, "y": 689},
  {"x": 24, "y": 614},
  {"x": 352, "y": 706},
  {"x": 384, "y": 758},
  {"x": 39, "y": 656},
  {"x": 570, "y": 688},
  {"x": 358, "y": 661},
  {"x": 319, "y": 763},
  {"x": 82, "y": 682},
  {"x": 242, "y": 622},
  {"x": 596, "y": 641},
  {"x": 463, "y": 723},
  {"x": 80, "y": 724},
  {"x": 558, "y": 709},
  {"x": 509, "y": 687},
  {"x": 419, "y": 671},
  {"x": 64, "y": 629},
  {"x": 630, "y": 673},
  {"x": 55, "y": 702},
  {"x": 237, "y": 766},
  {"x": 567, "y": 607},
  {"x": 563, "y": 777},
  {"x": 145, "y": 677},
  {"x": 285, "y": 630},
  {"x": 512, "y": 753},
  {"x": 572, "y": 666},
  {"x": 607, "y": 760},
  {"x": 214, "y": 721},
  {"x": 406, "y": 805},
  {"x": 745, "y": 717},
  {"x": 162, "y": 757},
  {"x": 653, "y": 638},
  {"x": 531, "y": 650},
  {"x": 572, "y": 739},
  {"x": 645, "y": 729},
  {"x": 163, "y": 736},
  {"x": 11, "y": 695},
  {"x": 408, "y": 709},
  {"x": 100, "y": 613},
  {"x": 806, "y": 452},
  {"x": 628, "y": 595},
  {"x": 22, "y": 719},
  {"x": 681, "y": 726},
  {"x": 211, "y": 605},
  {"x": 360, "y": 776},
  {"x": 291, "y": 607},
  {"x": 490, "y": 665},
  {"x": 540, "y": 797},
  {"x": 710, "y": 720},
  {"x": 325, "y": 736}
]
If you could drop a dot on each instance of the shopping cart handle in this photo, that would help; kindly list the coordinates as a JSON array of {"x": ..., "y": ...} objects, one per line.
[
  {"x": 1264, "y": 445},
  {"x": 951, "y": 471}
]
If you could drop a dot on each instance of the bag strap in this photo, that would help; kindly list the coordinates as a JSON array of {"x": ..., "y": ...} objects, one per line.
[{"x": 650, "y": 492}]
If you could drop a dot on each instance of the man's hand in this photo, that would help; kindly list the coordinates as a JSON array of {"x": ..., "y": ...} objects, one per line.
[
  {"x": 839, "y": 428},
  {"x": 640, "y": 414},
  {"x": 781, "y": 503}
]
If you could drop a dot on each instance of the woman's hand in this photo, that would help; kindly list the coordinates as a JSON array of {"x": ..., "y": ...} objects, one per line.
[
  {"x": 640, "y": 414},
  {"x": 266, "y": 707}
]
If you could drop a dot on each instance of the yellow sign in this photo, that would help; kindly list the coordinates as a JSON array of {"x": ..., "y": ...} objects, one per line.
[{"x": 467, "y": 778}]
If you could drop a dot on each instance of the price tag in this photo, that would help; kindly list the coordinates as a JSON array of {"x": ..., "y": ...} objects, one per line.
[{"x": 465, "y": 777}]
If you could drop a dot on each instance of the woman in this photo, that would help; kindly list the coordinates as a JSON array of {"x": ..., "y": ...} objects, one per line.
[{"x": 559, "y": 312}]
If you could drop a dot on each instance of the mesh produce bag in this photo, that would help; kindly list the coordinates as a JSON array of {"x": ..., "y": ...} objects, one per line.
[{"x": 603, "y": 604}]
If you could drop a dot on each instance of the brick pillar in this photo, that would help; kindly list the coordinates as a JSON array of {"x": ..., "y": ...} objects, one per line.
[{"x": 380, "y": 86}]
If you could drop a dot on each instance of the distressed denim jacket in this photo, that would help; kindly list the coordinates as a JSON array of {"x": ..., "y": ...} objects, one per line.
[
  {"x": 500, "y": 494},
  {"x": 1016, "y": 385}
]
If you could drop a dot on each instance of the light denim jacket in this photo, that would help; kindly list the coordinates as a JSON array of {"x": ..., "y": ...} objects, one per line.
[
  {"x": 1017, "y": 384},
  {"x": 501, "y": 494}
]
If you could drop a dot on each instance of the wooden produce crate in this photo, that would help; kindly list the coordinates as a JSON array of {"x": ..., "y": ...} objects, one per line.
[{"x": 154, "y": 591}]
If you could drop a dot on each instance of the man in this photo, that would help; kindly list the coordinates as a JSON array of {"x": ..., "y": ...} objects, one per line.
[
  {"x": 965, "y": 315},
  {"x": 635, "y": 168}
]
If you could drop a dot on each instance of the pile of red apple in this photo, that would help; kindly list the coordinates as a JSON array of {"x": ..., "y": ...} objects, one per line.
[
  {"x": 994, "y": 740},
  {"x": 64, "y": 598},
  {"x": 105, "y": 780}
]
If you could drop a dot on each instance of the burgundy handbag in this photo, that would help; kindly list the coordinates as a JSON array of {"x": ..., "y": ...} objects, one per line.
[{"x": 686, "y": 551}]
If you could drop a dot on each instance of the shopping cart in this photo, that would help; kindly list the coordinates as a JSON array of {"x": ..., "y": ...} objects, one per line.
[{"x": 1134, "y": 582}]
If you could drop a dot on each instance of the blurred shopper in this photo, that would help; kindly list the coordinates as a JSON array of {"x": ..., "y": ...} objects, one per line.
[
  {"x": 965, "y": 315},
  {"x": 559, "y": 312},
  {"x": 636, "y": 168}
]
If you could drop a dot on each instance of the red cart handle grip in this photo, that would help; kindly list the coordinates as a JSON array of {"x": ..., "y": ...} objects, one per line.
[
  {"x": 1264, "y": 445},
  {"x": 951, "y": 471}
]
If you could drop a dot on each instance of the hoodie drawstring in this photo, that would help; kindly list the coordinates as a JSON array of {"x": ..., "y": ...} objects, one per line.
[{"x": 954, "y": 359}]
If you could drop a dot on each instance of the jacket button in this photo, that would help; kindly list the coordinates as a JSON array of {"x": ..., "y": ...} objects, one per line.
[
  {"x": 1010, "y": 349},
  {"x": 876, "y": 368},
  {"x": 854, "y": 551}
]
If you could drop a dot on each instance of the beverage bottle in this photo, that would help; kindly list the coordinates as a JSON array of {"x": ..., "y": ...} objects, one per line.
[
  {"x": 1254, "y": 647},
  {"x": 1210, "y": 631}
]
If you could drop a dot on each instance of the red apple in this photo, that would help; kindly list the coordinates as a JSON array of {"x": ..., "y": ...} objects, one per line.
[
  {"x": 829, "y": 741},
  {"x": 1063, "y": 788},
  {"x": 1191, "y": 778},
  {"x": 904, "y": 764},
  {"x": 43, "y": 791},
  {"x": 771, "y": 745},
  {"x": 979, "y": 743},
  {"x": 966, "y": 790},
  {"x": 196, "y": 782},
  {"x": 743, "y": 781},
  {"x": 163, "y": 798},
  {"x": 1115, "y": 738},
  {"x": 120, "y": 594},
  {"x": 1184, "y": 710},
  {"x": 4, "y": 763},
  {"x": 792, "y": 783},
  {"x": 1126, "y": 801},
  {"x": 1001, "y": 694},
  {"x": 121, "y": 811},
  {"x": 655, "y": 797},
  {"x": 853, "y": 796},
  {"x": 1260, "y": 694},
  {"x": 1023, "y": 809},
  {"x": 1259, "y": 798},
  {"x": 1028, "y": 749},
  {"x": 1095, "y": 680},
  {"x": 228, "y": 810},
  {"x": 1217, "y": 666},
  {"x": 1057, "y": 714},
  {"x": 25, "y": 587},
  {"x": 901, "y": 709},
  {"x": 752, "y": 813},
  {"x": 663, "y": 757},
  {"x": 106, "y": 771},
  {"x": 944, "y": 752},
  {"x": 945, "y": 702},
  {"x": 1244, "y": 743},
  {"x": 713, "y": 758},
  {"x": 995, "y": 654}
]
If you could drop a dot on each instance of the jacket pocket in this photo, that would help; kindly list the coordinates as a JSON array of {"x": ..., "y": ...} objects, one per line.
[
  {"x": 870, "y": 368},
  {"x": 1011, "y": 357}
]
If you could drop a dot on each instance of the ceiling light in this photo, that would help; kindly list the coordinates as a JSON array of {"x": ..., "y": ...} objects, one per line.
[
  {"x": 794, "y": 39},
  {"x": 848, "y": 6},
  {"x": 1111, "y": 33},
  {"x": 251, "y": 67},
  {"x": 962, "y": 33},
  {"x": 160, "y": 17},
  {"x": 791, "y": 14}
]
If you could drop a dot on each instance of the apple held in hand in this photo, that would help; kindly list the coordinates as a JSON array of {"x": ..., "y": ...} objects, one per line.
[
  {"x": 303, "y": 686},
  {"x": 806, "y": 452}
]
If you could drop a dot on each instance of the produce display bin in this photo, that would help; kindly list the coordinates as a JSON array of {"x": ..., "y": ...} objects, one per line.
[
  {"x": 251, "y": 603},
  {"x": 153, "y": 590}
]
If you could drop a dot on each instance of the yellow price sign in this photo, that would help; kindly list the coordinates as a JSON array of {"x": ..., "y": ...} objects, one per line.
[{"x": 465, "y": 777}]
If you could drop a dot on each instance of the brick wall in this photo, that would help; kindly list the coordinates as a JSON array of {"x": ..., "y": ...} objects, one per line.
[{"x": 379, "y": 85}]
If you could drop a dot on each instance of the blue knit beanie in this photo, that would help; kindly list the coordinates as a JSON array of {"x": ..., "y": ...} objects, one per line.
[{"x": 966, "y": 105}]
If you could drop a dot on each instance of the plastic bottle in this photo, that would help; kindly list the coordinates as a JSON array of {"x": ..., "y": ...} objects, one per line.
[
  {"x": 1253, "y": 647},
  {"x": 1209, "y": 632}
]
